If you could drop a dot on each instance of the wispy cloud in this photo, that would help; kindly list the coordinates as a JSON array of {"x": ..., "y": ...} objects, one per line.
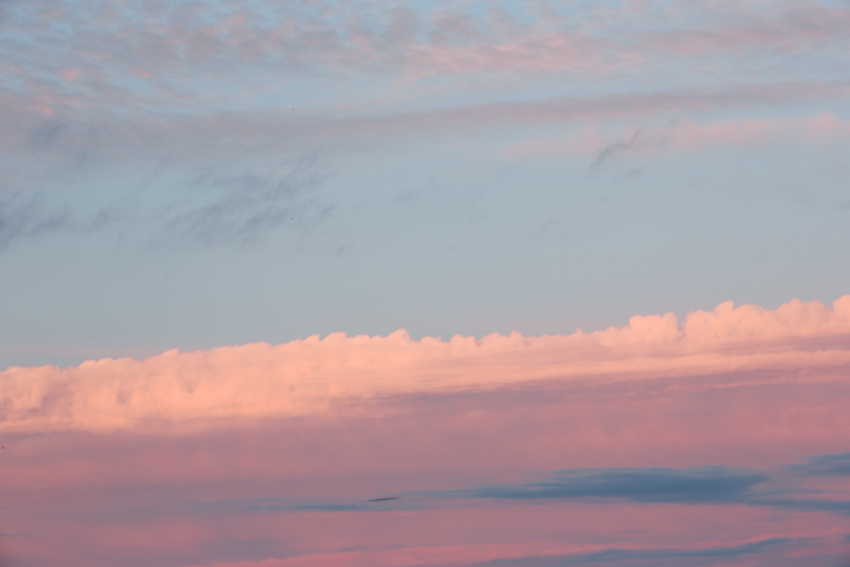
[
  {"x": 25, "y": 216},
  {"x": 232, "y": 135},
  {"x": 144, "y": 53},
  {"x": 208, "y": 205},
  {"x": 640, "y": 143},
  {"x": 219, "y": 207}
]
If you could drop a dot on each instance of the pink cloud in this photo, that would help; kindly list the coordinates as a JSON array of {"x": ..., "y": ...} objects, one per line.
[
  {"x": 348, "y": 127},
  {"x": 177, "y": 53},
  {"x": 689, "y": 136},
  {"x": 448, "y": 40},
  {"x": 310, "y": 376},
  {"x": 821, "y": 128}
]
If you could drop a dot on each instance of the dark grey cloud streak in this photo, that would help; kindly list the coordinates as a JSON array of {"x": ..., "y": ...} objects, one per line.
[
  {"x": 210, "y": 205},
  {"x": 221, "y": 207},
  {"x": 710, "y": 485},
  {"x": 825, "y": 465},
  {"x": 714, "y": 485},
  {"x": 26, "y": 216}
]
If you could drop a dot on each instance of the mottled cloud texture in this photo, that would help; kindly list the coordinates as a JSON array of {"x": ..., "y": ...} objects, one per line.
[
  {"x": 204, "y": 79},
  {"x": 720, "y": 440},
  {"x": 94, "y": 88}
]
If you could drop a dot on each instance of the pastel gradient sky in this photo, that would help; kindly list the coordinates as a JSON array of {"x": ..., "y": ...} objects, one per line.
[{"x": 377, "y": 283}]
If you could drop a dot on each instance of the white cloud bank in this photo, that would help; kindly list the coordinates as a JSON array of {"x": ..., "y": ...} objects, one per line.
[{"x": 313, "y": 375}]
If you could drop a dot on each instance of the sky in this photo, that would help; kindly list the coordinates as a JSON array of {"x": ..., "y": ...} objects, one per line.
[{"x": 308, "y": 283}]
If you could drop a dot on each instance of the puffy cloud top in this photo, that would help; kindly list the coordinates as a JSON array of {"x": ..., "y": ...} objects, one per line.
[{"x": 313, "y": 375}]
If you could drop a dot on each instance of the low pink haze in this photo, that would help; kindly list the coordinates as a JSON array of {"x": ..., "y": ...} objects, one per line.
[{"x": 723, "y": 439}]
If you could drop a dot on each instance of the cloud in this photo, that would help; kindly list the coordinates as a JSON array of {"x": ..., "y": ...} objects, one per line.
[
  {"x": 827, "y": 465},
  {"x": 220, "y": 207},
  {"x": 721, "y": 552},
  {"x": 696, "y": 486},
  {"x": 44, "y": 135},
  {"x": 227, "y": 493},
  {"x": 618, "y": 147},
  {"x": 210, "y": 205},
  {"x": 232, "y": 179},
  {"x": 836, "y": 506},
  {"x": 311, "y": 376},
  {"x": 640, "y": 143},
  {"x": 270, "y": 132},
  {"x": 121, "y": 52},
  {"x": 822, "y": 128},
  {"x": 202, "y": 81},
  {"x": 26, "y": 216},
  {"x": 683, "y": 135}
]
